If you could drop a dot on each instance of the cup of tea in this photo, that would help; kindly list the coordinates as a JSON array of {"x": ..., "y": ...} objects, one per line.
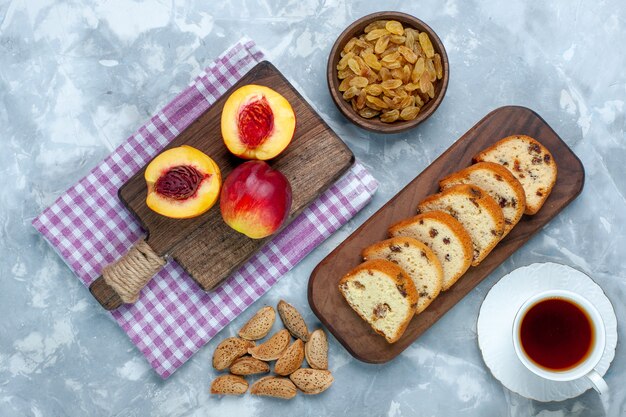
[{"x": 559, "y": 335}]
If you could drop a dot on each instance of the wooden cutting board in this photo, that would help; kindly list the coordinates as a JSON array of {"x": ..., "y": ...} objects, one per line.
[
  {"x": 207, "y": 248},
  {"x": 331, "y": 308}
]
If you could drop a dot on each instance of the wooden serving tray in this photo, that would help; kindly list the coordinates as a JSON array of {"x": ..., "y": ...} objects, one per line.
[
  {"x": 205, "y": 246},
  {"x": 331, "y": 308}
]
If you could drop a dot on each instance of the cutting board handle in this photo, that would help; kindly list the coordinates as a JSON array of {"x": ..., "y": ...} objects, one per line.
[{"x": 122, "y": 281}]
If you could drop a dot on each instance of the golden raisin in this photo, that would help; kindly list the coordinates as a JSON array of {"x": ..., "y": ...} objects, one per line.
[
  {"x": 377, "y": 102},
  {"x": 381, "y": 44},
  {"x": 409, "y": 113},
  {"x": 390, "y": 116},
  {"x": 408, "y": 54},
  {"x": 368, "y": 113},
  {"x": 374, "y": 89},
  {"x": 426, "y": 45},
  {"x": 438, "y": 66},
  {"x": 350, "y": 92},
  {"x": 360, "y": 82},
  {"x": 375, "y": 34},
  {"x": 394, "y": 27},
  {"x": 391, "y": 84}
]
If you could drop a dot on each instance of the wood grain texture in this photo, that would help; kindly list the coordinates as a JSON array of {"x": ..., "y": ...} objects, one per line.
[
  {"x": 324, "y": 297},
  {"x": 205, "y": 246},
  {"x": 374, "y": 124}
]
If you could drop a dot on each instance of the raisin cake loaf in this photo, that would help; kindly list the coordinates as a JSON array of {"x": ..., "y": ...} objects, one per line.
[
  {"x": 417, "y": 260},
  {"x": 383, "y": 295},
  {"x": 445, "y": 236},
  {"x": 479, "y": 214},
  {"x": 530, "y": 162},
  {"x": 499, "y": 183}
]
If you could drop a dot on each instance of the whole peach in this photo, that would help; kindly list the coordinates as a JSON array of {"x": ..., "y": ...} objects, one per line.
[{"x": 255, "y": 199}]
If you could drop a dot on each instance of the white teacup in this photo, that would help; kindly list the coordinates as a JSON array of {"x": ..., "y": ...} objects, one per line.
[{"x": 584, "y": 369}]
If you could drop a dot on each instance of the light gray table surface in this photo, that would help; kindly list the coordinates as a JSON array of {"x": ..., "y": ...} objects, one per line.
[{"x": 77, "y": 77}]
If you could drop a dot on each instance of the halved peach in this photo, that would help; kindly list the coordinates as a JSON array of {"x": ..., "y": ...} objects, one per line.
[
  {"x": 257, "y": 122},
  {"x": 182, "y": 182}
]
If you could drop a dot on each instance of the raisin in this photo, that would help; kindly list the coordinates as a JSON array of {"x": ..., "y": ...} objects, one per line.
[
  {"x": 534, "y": 148},
  {"x": 447, "y": 257},
  {"x": 516, "y": 166},
  {"x": 394, "y": 27},
  {"x": 507, "y": 222},
  {"x": 406, "y": 244},
  {"x": 499, "y": 177},
  {"x": 424, "y": 294},
  {"x": 474, "y": 202},
  {"x": 522, "y": 176},
  {"x": 421, "y": 221},
  {"x": 539, "y": 193},
  {"x": 476, "y": 253},
  {"x": 546, "y": 158},
  {"x": 493, "y": 232},
  {"x": 357, "y": 284},
  {"x": 409, "y": 112},
  {"x": 381, "y": 310},
  {"x": 426, "y": 45},
  {"x": 446, "y": 241},
  {"x": 476, "y": 192},
  {"x": 433, "y": 232},
  {"x": 369, "y": 271},
  {"x": 514, "y": 202},
  {"x": 536, "y": 160},
  {"x": 395, "y": 248},
  {"x": 503, "y": 202},
  {"x": 401, "y": 289},
  {"x": 423, "y": 254}
]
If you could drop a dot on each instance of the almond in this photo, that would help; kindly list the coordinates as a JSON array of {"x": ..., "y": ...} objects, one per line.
[
  {"x": 273, "y": 348},
  {"x": 312, "y": 381},
  {"x": 248, "y": 365},
  {"x": 293, "y": 321},
  {"x": 259, "y": 325},
  {"x": 229, "y": 350},
  {"x": 229, "y": 385},
  {"x": 273, "y": 386},
  {"x": 291, "y": 359},
  {"x": 316, "y": 350}
]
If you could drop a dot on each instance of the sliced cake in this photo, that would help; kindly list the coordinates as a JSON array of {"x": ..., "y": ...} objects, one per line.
[
  {"x": 417, "y": 260},
  {"x": 530, "y": 162},
  {"x": 383, "y": 295},
  {"x": 445, "y": 236},
  {"x": 479, "y": 214},
  {"x": 499, "y": 183}
]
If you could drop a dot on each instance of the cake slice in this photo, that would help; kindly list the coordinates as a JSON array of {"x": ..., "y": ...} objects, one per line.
[
  {"x": 445, "y": 236},
  {"x": 417, "y": 260},
  {"x": 383, "y": 295},
  {"x": 479, "y": 214},
  {"x": 499, "y": 183},
  {"x": 530, "y": 162}
]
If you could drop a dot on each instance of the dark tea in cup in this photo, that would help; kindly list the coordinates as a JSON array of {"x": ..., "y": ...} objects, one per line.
[
  {"x": 556, "y": 334},
  {"x": 559, "y": 335}
]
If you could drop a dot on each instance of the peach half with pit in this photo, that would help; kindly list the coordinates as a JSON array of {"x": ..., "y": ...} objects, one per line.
[
  {"x": 256, "y": 199},
  {"x": 183, "y": 182},
  {"x": 257, "y": 122}
]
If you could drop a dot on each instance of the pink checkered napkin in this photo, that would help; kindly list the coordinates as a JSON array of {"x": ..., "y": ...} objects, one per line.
[{"x": 90, "y": 228}]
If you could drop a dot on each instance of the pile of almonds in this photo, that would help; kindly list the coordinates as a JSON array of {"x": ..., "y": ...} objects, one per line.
[{"x": 242, "y": 357}]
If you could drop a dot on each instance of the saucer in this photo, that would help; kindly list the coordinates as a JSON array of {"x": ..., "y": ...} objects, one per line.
[{"x": 495, "y": 323}]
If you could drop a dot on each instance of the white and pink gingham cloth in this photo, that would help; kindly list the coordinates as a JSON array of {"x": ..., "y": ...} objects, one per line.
[{"x": 90, "y": 228}]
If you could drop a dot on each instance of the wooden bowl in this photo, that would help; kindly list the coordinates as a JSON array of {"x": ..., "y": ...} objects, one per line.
[{"x": 374, "y": 124}]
